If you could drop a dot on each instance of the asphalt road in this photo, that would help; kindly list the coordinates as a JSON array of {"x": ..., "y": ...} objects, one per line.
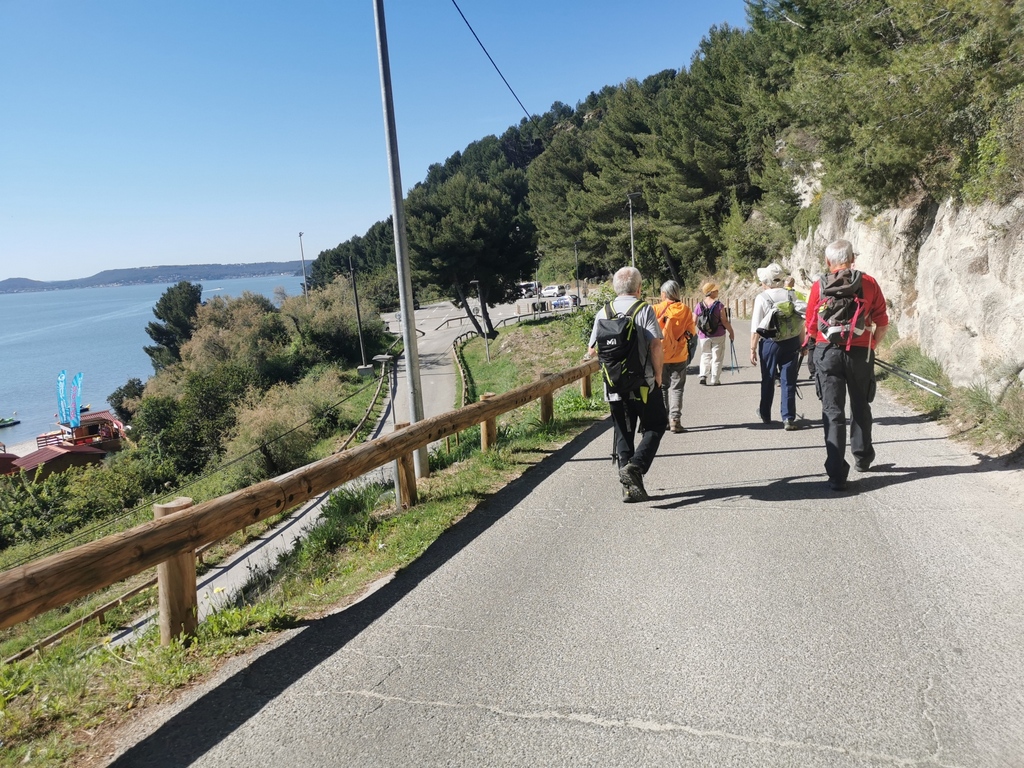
[{"x": 745, "y": 616}]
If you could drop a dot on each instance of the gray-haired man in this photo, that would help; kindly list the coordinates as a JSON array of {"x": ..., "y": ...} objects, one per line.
[{"x": 645, "y": 403}]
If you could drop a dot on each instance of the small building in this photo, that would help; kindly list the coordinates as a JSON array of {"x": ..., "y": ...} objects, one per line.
[
  {"x": 7, "y": 461},
  {"x": 57, "y": 458},
  {"x": 101, "y": 429}
]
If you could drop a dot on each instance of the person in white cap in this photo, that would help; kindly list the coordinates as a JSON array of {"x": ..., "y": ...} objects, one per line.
[{"x": 777, "y": 349}]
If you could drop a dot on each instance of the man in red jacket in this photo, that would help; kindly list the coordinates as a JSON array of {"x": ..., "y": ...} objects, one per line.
[{"x": 842, "y": 348}]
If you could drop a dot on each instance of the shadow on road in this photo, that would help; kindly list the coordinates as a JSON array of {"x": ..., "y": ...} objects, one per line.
[
  {"x": 803, "y": 487},
  {"x": 202, "y": 725}
]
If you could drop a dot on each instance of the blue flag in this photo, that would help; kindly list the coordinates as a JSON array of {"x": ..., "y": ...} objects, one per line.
[
  {"x": 63, "y": 412},
  {"x": 75, "y": 400}
]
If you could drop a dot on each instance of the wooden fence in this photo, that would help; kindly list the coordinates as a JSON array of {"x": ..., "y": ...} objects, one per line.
[{"x": 54, "y": 581}]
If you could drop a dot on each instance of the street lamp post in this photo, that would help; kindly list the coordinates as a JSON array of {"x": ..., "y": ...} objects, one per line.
[
  {"x": 364, "y": 369},
  {"x": 632, "y": 254},
  {"x": 411, "y": 353},
  {"x": 480, "y": 298},
  {"x": 576, "y": 251},
  {"x": 302, "y": 255}
]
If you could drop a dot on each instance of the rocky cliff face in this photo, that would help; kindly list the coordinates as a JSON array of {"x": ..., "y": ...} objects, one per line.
[{"x": 953, "y": 277}]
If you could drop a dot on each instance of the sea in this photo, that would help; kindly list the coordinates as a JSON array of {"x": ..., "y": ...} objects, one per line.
[{"x": 99, "y": 332}]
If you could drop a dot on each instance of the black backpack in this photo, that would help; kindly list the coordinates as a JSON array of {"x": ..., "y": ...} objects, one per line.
[
  {"x": 618, "y": 349},
  {"x": 707, "y": 321},
  {"x": 841, "y": 315}
]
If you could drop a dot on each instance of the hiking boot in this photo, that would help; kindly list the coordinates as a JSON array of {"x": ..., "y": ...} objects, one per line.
[
  {"x": 861, "y": 466},
  {"x": 762, "y": 417},
  {"x": 837, "y": 484},
  {"x": 632, "y": 480},
  {"x": 676, "y": 427},
  {"x": 790, "y": 426}
]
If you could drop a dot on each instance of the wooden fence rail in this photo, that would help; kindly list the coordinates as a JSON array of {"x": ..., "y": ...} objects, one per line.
[{"x": 51, "y": 582}]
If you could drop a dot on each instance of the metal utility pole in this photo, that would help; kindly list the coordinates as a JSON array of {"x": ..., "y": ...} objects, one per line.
[
  {"x": 412, "y": 358},
  {"x": 302, "y": 255},
  {"x": 632, "y": 253},
  {"x": 480, "y": 298},
  {"x": 359, "y": 319},
  {"x": 576, "y": 251}
]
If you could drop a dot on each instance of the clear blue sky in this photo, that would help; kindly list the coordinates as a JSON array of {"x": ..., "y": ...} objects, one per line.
[{"x": 187, "y": 131}]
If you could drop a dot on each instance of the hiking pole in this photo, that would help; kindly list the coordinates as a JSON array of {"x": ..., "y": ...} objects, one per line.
[
  {"x": 907, "y": 376},
  {"x": 732, "y": 352},
  {"x": 890, "y": 366}
]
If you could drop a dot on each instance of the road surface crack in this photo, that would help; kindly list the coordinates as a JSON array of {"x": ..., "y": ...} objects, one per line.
[{"x": 649, "y": 726}]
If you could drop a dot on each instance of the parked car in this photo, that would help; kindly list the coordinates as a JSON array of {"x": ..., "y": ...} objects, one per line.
[
  {"x": 553, "y": 291},
  {"x": 564, "y": 302},
  {"x": 528, "y": 290}
]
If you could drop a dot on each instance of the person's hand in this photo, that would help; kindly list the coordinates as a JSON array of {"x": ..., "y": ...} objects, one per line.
[
  {"x": 753, "y": 357},
  {"x": 732, "y": 336}
]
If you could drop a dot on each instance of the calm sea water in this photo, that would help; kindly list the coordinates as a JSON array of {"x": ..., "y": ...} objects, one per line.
[{"x": 98, "y": 331}]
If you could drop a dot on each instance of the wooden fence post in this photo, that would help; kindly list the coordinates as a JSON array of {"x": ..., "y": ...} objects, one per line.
[
  {"x": 547, "y": 403},
  {"x": 585, "y": 387},
  {"x": 176, "y": 580},
  {"x": 489, "y": 429},
  {"x": 406, "y": 469}
]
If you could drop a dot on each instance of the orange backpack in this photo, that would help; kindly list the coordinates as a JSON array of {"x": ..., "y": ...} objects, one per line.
[{"x": 676, "y": 321}]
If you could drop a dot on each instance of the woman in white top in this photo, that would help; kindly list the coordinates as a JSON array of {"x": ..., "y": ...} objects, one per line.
[{"x": 779, "y": 354}]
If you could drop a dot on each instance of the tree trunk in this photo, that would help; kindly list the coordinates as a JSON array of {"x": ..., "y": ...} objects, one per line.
[
  {"x": 491, "y": 333},
  {"x": 671, "y": 264},
  {"x": 469, "y": 310}
]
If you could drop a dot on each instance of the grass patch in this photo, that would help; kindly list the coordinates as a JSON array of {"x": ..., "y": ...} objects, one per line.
[{"x": 987, "y": 414}]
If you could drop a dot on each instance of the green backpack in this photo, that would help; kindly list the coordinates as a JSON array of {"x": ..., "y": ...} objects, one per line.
[{"x": 782, "y": 321}]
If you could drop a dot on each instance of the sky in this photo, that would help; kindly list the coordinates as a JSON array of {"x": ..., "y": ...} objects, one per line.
[{"x": 194, "y": 132}]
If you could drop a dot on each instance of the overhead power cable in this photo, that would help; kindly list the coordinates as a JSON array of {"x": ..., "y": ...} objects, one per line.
[{"x": 488, "y": 55}]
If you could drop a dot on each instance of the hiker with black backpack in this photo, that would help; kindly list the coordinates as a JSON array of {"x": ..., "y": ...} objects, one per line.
[
  {"x": 778, "y": 333},
  {"x": 846, "y": 319},
  {"x": 627, "y": 339}
]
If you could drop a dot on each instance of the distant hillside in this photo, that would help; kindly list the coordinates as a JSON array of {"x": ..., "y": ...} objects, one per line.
[{"x": 163, "y": 274}]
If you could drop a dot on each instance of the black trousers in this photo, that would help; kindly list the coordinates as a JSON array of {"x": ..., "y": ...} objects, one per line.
[
  {"x": 838, "y": 373},
  {"x": 649, "y": 411}
]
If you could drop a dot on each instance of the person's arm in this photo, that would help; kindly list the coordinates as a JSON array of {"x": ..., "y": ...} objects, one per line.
[
  {"x": 879, "y": 315},
  {"x": 723, "y": 313},
  {"x": 811, "y": 316},
  {"x": 657, "y": 360},
  {"x": 755, "y": 320},
  {"x": 690, "y": 324}
]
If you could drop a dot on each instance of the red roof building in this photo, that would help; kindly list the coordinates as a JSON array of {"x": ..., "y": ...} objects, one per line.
[{"x": 57, "y": 458}]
